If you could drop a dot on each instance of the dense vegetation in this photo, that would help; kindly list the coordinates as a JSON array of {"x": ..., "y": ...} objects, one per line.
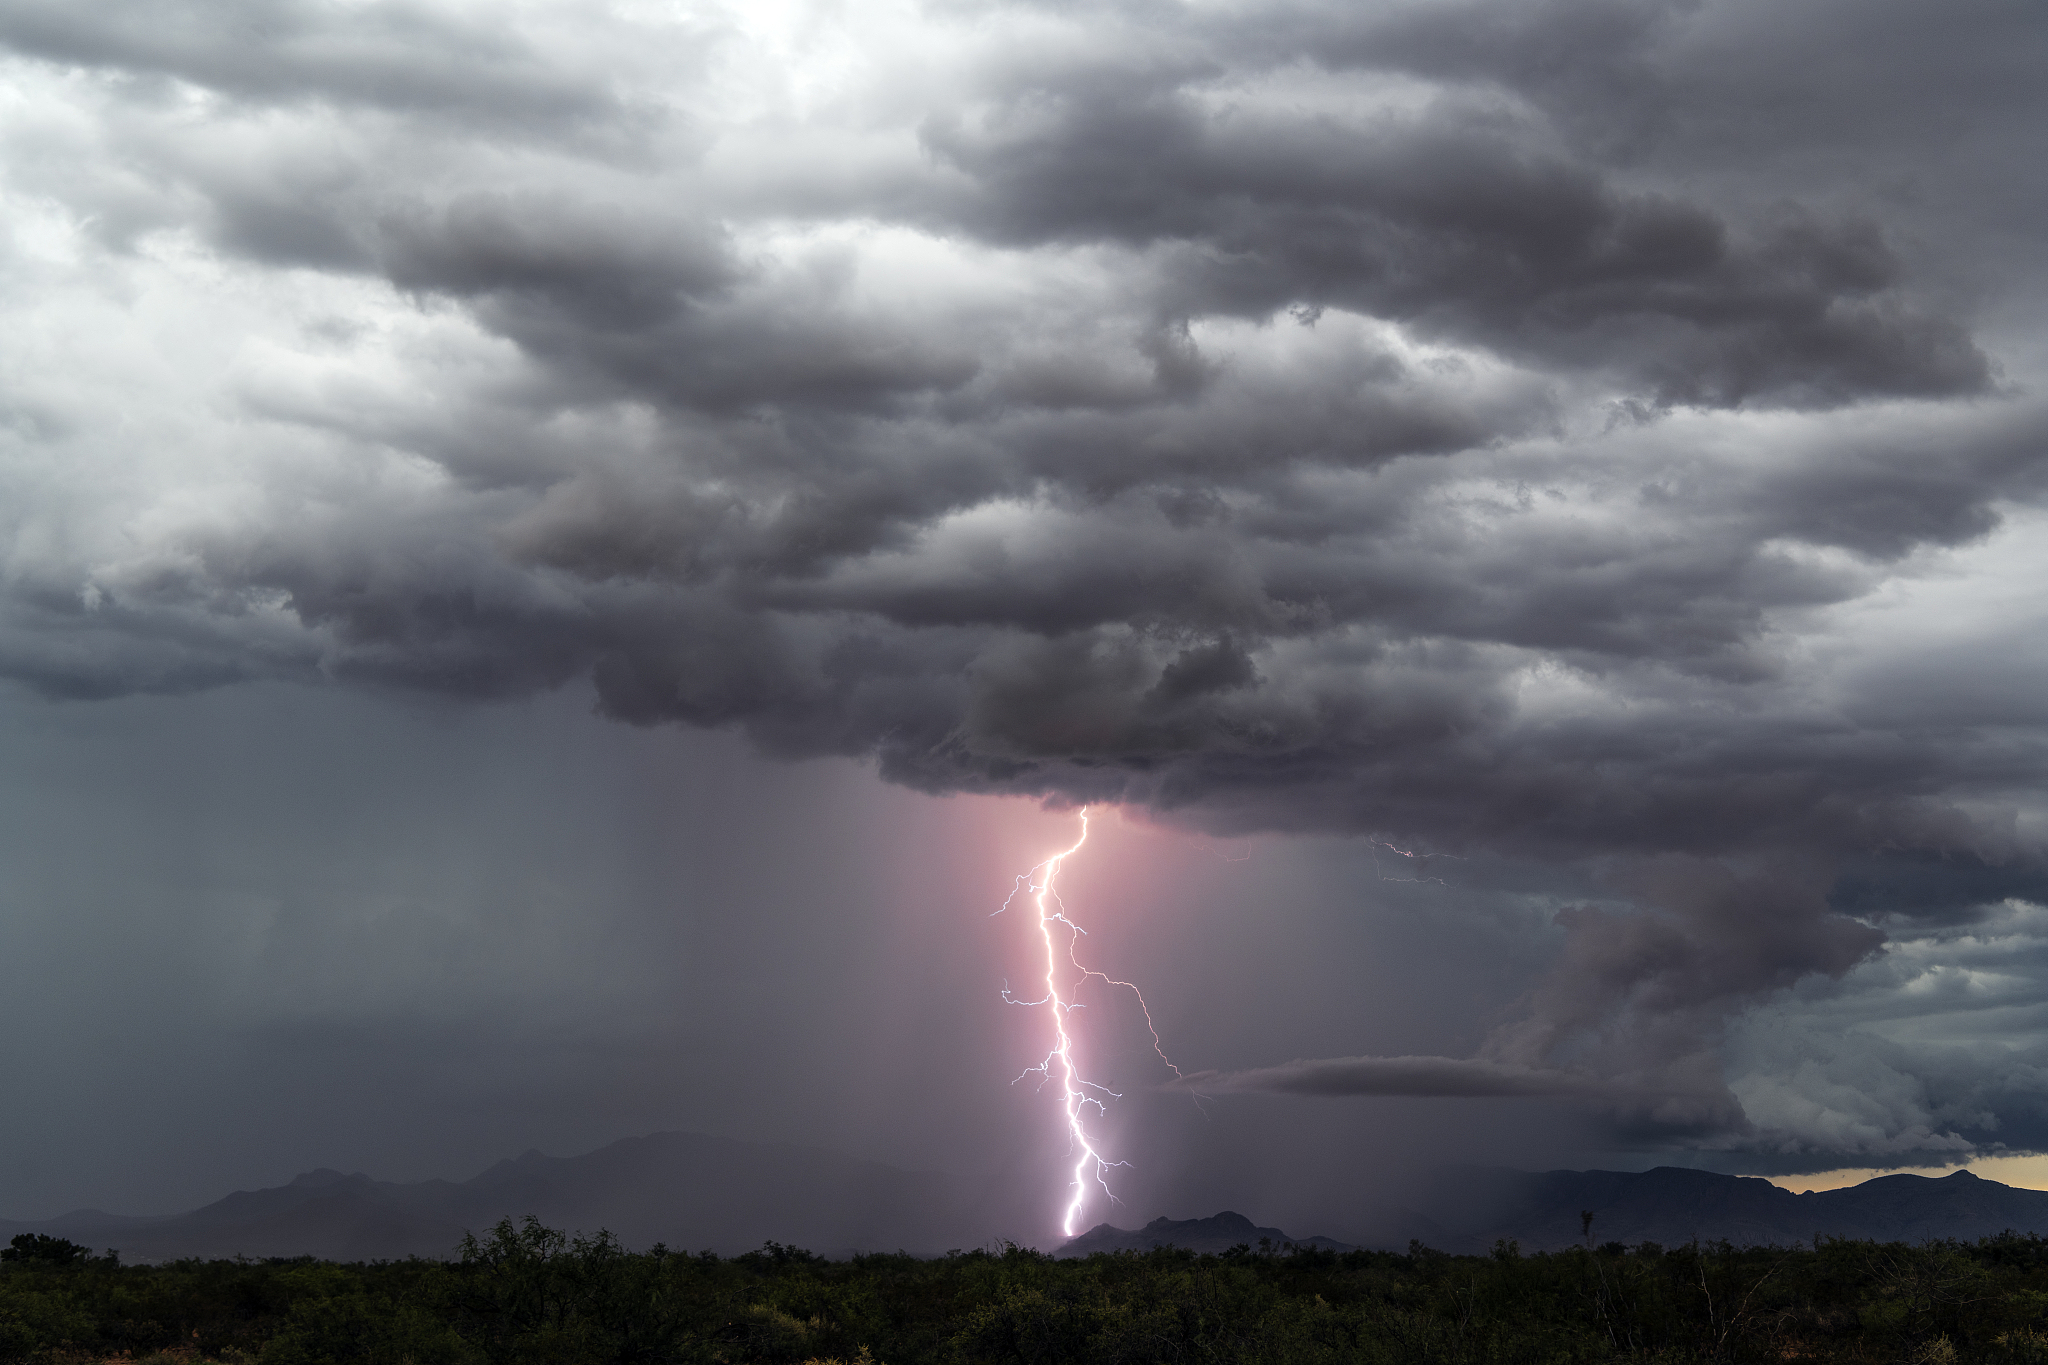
[{"x": 529, "y": 1294}]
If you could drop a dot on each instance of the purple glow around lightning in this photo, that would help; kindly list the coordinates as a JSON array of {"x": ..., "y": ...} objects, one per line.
[{"x": 1064, "y": 975}]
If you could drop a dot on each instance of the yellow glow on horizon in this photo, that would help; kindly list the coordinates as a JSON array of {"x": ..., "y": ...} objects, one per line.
[{"x": 2021, "y": 1172}]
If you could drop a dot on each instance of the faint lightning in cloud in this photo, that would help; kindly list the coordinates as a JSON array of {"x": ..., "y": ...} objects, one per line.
[
  {"x": 1221, "y": 856},
  {"x": 1375, "y": 845},
  {"x": 1064, "y": 975}
]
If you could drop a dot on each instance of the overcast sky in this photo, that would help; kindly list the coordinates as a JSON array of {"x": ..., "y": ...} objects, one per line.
[{"x": 557, "y": 558}]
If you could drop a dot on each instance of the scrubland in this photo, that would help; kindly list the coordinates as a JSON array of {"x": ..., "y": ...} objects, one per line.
[{"x": 526, "y": 1293}]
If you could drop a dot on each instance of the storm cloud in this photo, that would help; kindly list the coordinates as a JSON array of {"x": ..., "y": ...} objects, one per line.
[
  {"x": 1572, "y": 437},
  {"x": 1431, "y": 1077}
]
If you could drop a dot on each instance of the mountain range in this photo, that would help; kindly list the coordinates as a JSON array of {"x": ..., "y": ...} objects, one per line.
[
  {"x": 1212, "y": 1235},
  {"x": 1469, "y": 1209},
  {"x": 696, "y": 1192},
  {"x": 690, "y": 1190}
]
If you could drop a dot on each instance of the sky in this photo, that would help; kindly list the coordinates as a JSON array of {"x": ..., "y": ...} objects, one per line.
[{"x": 557, "y": 560}]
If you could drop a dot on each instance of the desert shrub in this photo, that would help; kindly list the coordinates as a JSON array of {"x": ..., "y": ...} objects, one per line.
[{"x": 525, "y": 1294}]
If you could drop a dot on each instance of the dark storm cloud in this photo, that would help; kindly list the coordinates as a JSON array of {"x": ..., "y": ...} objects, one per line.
[
  {"x": 1457, "y": 423},
  {"x": 1934, "y": 887},
  {"x": 1449, "y": 221},
  {"x": 1644, "y": 1115},
  {"x": 1436, "y": 1077}
]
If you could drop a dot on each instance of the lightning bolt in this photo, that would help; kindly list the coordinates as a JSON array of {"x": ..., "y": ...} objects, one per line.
[
  {"x": 1077, "y": 1093},
  {"x": 1374, "y": 845}
]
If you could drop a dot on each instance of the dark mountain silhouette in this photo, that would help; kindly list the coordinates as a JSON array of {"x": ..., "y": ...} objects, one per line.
[
  {"x": 689, "y": 1190},
  {"x": 1469, "y": 1209},
  {"x": 696, "y": 1192},
  {"x": 1672, "y": 1206},
  {"x": 1217, "y": 1234}
]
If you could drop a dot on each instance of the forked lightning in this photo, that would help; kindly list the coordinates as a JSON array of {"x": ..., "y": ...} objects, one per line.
[{"x": 1076, "y": 1092}]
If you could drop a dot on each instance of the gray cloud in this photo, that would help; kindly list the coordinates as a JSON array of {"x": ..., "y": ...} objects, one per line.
[
  {"x": 1451, "y": 222},
  {"x": 1656, "y": 1114},
  {"x": 1432, "y": 1077},
  {"x": 1461, "y": 424},
  {"x": 402, "y": 57}
]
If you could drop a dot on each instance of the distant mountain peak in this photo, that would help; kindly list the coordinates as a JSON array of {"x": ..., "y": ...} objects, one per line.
[
  {"x": 1226, "y": 1221},
  {"x": 1216, "y": 1233},
  {"x": 685, "y": 1189},
  {"x": 1671, "y": 1206}
]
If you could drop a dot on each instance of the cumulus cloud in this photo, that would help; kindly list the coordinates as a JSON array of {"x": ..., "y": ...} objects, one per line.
[{"x": 1467, "y": 423}]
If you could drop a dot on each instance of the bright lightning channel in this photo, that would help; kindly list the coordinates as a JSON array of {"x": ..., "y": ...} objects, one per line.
[{"x": 1076, "y": 1092}]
